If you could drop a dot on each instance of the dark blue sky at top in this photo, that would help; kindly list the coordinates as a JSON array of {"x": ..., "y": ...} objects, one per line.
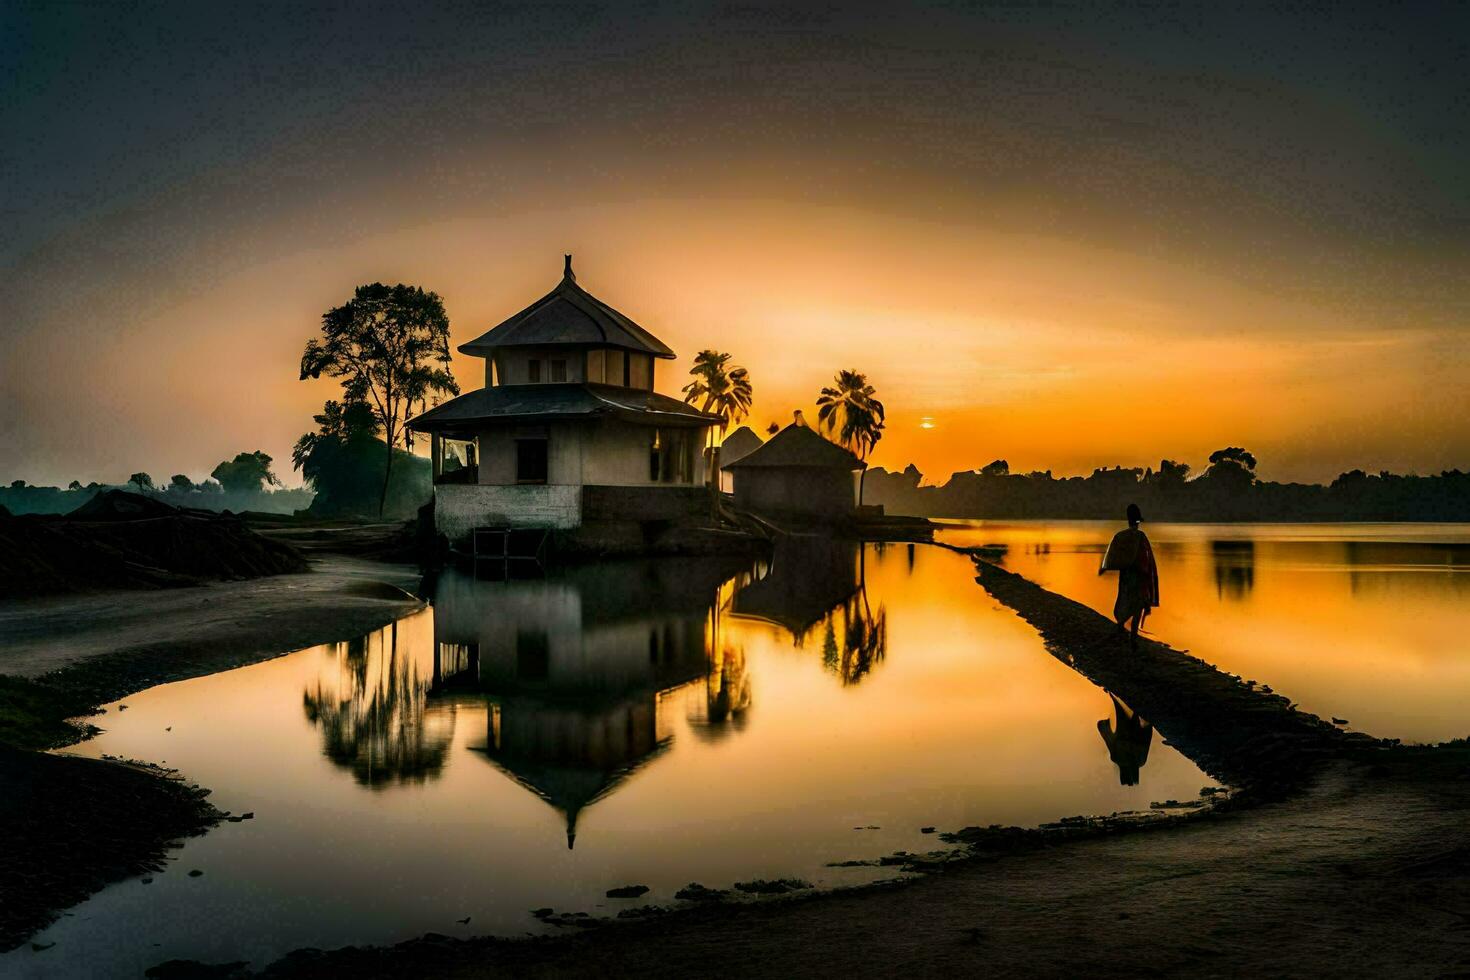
[{"x": 107, "y": 103}]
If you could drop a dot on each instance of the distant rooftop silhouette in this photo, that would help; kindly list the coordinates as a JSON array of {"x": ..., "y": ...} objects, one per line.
[
  {"x": 568, "y": 316},
  {"x": 739, "y": 444}
]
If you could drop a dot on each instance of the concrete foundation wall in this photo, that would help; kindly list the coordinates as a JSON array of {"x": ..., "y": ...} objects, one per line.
[
  {"x": 670, "y": 503},
  {"x": 458, "y": 509}
]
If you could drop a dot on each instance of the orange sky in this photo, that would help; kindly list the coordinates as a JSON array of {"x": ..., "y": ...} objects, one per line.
[{"x": 1069, "y": 247}]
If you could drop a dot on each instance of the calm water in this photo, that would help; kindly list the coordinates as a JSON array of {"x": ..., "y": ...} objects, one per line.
[
  {"x": 672, "y": 721},
  {"x": 1368, "y": 622}
]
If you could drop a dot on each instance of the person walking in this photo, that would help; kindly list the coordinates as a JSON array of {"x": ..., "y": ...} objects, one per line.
[{"x": 1132, "y": 557}]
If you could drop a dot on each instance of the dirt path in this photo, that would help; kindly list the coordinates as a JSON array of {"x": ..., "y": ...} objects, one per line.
[
  {"x": 108, "y": 645},
  {"x": 1236, "y": 732}
]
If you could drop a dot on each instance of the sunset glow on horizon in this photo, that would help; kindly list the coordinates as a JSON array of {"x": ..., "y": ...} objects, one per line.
[{"x": 1095, "y": 278}]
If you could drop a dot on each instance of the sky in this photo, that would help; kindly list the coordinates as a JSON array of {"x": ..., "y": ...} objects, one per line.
[{"x": 1063, "y": 235}]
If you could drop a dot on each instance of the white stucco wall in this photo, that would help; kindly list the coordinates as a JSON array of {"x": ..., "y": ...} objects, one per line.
[
  {"x": 497, "y": 452},
  {"x": 460, "y": 508},
  {"x": 602, "y": 453}
]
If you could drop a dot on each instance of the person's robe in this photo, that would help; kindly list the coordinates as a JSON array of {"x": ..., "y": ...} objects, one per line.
[{"x": 1132, "y": 557}]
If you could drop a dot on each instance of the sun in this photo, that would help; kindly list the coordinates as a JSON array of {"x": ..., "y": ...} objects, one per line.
[{"x": 927, "y": 422}]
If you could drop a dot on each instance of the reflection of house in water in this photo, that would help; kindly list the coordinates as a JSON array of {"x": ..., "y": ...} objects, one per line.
[
  {"x": 375, "y": 717},
  {"x": 575, "y": 668},
  {"x": 1235, "y": 568},
  {"x": 814, "y": 581}
]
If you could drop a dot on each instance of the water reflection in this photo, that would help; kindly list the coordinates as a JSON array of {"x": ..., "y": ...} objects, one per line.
[
  {"x": 820, "y": 583},
  {"x": 376, "y": 719},
  {"x": 627, "y": 704},
  {"x": 727, "y": 697},
  {"x": 1235, "y": 568},
  {"x": 574, "y": 669},
  {"x": 1128, "y": 738},
  {"x": 1359, "y": 621}
]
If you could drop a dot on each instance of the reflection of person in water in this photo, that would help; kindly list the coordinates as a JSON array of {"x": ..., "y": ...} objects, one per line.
[
  {"x": 1127, "y": 739},
  {"x": 1132, "y": 557}
]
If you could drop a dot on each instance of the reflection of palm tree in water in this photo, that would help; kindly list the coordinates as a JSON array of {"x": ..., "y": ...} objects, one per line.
[
  {"x": 864, "y": 635},
  {"x": 1127, "y": 738},
  {"x": 377, "y": 728},
  {"x": 865, "y": 641}
]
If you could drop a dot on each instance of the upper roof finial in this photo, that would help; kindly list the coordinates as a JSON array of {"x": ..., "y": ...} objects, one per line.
[{"x": 568, "y": 273}]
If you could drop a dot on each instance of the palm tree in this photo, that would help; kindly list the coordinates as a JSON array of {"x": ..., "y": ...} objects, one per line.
[
  {"x": 720, "y": 390},
  {"x": 854, "y": 414}
]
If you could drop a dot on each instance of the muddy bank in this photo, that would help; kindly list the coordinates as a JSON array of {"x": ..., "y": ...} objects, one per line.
[
  {"x": 114, "y": 543},
  {"x": 73, "y": 825},
  {"x": 391, "y": 542},
  {"x": 1362, "y": 875},
  {"x": 107, "y": 645}
]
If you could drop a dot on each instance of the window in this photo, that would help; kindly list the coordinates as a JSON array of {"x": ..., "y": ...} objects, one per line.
[
  {"x": 533, "y": 370},
  {"x": 533, "y": 655},
  {"x": 640, "y": 371},
  {"x": 615, "y": 367},
  {"x": 531, "y": 461},
  {"x": 594, "y": 366},
  {"x": 671, "y": 457},
  {"x": 558, "y": 370}
]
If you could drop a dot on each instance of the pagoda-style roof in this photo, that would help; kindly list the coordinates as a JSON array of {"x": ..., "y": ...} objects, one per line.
[
  {"x": 797, "y": 445},
  {"x": 568, "y": 316},
  {"x": 507, "y": 403}
]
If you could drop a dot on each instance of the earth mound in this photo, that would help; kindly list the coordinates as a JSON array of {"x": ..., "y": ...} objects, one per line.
[{"x": 121, "y": 540}]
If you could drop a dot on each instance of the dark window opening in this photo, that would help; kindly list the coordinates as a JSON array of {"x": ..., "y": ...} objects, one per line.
[
  {"x": 533, "y": 656},
  {"x": 531, "y": 461},
  {"x": 671, "y": 458},
  {"x": 558, "y": 370},
  {"x": 533, "y": 370}
]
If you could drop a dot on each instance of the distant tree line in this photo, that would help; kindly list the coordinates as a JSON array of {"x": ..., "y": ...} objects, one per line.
[
  {"x": 1227, "y": 490},
  {"x": 243, "y": 483}
]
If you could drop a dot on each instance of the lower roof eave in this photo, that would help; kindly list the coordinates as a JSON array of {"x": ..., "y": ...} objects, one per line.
[{"x": 478, "y": 423}]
